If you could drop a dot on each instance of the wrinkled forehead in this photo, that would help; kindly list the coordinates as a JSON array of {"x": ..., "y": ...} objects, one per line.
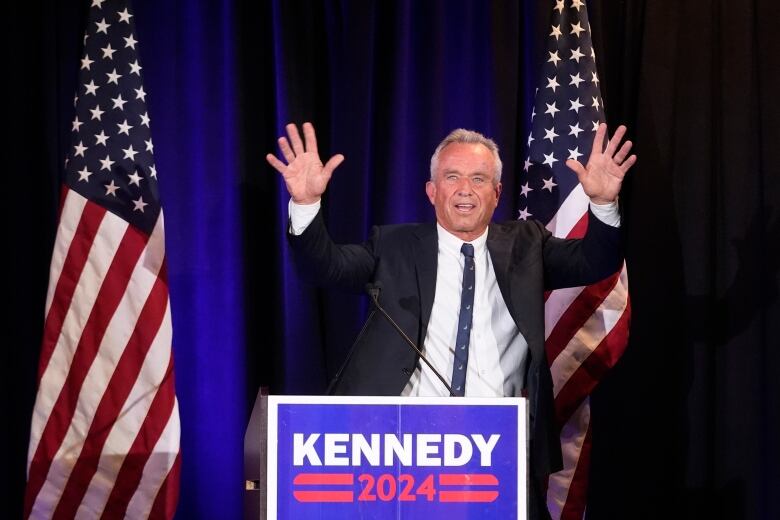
[{"x": 466, "y": 159}]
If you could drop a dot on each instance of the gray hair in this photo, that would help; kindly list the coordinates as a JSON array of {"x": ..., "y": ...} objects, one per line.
[{"x": 461, "y": 135}]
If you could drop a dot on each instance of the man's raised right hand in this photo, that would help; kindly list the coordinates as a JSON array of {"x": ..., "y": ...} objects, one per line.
[{"x": 305, "y": 176}]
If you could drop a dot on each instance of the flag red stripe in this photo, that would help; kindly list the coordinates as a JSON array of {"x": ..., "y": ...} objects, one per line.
[
  {"x": 64, "y": 190},
  {"x": 315, "y": 479},
  {"x": 137, "y": 456},
  {"x": 109, "y": 295},
  {"x": 579, "y": 229},
  {"x": 467, "y": 479},
  {"x": 167, "y": 497},
  {"x": 589, "y": 373},
  {"x": 76, "y": 258},
  {"x": 468, "y": 496},
  {"x": 324, "y": 496},
  {"x": 580, "y": 311},
  {"x": 122, "y": 381},
  {"x": 577, "y": 498}
]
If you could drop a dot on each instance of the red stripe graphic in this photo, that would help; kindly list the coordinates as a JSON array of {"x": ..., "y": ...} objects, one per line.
[
  {"x": 468, "y": 496},
  {"x": 467, "y": 479},
  {"x": 324, "y": 496},
  {"x": 314, "y": 479},
  {"x": 122, "y": 381}
]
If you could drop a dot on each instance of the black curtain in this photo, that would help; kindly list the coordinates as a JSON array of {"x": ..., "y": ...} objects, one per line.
[
  {"x": 39, "y": 58},
  {"x": 686, "y": 425}
]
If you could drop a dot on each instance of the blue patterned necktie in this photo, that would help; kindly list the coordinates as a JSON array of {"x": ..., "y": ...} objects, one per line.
[{"x": 464, "y": 323}]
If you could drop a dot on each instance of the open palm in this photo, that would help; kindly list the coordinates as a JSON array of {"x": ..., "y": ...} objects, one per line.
[
  {"x": 304, "y": 174},
  {"x": 602, "y": 177}
]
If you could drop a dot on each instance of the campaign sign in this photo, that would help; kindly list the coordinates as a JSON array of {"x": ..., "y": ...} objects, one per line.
[{"x": 395, "y": 457}]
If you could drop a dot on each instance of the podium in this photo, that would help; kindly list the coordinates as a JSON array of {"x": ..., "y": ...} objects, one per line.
[{"x": 334, "y": 457}]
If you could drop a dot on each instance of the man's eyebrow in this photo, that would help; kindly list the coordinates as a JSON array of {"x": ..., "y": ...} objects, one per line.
[
  {"x": 454, "y": 170},
  {"x": 451, "y": 170}
]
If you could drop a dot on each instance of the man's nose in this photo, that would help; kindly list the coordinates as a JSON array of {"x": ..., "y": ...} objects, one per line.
[{"x": 464, "y": 186}]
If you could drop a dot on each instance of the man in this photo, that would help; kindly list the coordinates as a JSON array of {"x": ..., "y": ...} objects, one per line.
[{"x": 469, "y": 291}]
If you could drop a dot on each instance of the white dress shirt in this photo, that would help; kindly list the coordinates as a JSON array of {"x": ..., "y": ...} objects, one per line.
[{"x": 497, "y": 350}]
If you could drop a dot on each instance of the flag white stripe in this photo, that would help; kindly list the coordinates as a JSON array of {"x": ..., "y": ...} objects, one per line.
[
  {"x": 72, "y": 208},
  {"x": 590, "y": 335},
  {"x": 569, "y": 213},
  {"x": 157, "y": 467},
  {"x": 49, "y": 495},
  {"x": 84, "y": 296},
  {"x": 556, "y": 305}
]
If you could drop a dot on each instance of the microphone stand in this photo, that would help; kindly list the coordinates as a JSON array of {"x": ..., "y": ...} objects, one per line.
[
  {"x": 373, "y": 292},
  {"x": 337, "y": 377}
]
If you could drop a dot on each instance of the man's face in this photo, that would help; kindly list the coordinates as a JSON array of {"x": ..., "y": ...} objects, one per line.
[{"x": 463, "y": 190}]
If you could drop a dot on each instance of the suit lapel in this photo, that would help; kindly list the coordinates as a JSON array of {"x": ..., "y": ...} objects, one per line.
[
  {"x": 425, "y": 261},
  {"x": 500, "y": 244}
]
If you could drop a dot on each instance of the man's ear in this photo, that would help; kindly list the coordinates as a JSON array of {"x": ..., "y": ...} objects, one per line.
[
  {"x": 430, "y": 190},
  {"x": 498, "y": 188}
]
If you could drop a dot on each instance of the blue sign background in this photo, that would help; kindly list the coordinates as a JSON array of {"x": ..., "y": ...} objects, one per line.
[{"x": 414, "y": 419}]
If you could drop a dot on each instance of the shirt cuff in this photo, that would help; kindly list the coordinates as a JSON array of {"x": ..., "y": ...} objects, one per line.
[
  {"x": 607, "y": 213},
  {"x": 301, "y": 216}
]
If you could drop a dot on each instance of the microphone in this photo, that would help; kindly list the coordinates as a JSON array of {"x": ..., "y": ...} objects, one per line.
[{"x": 373, "y": 290}]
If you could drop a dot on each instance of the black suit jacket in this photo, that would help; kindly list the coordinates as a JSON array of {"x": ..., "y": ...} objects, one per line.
[{"x": 527, "y": 261}]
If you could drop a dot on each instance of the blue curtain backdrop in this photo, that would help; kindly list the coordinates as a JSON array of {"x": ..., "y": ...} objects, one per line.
[
  {"x": 684, "y": 426},
  {"x": 189, "y": 58}
]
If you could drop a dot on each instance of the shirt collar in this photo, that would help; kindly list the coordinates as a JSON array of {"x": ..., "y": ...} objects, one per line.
[{"x": 451, "y": 243}]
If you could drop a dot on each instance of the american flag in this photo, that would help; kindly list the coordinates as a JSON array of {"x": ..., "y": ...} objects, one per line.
[
  {"x": 586, "y": 328},
  {"x": 104, "y": 439}
]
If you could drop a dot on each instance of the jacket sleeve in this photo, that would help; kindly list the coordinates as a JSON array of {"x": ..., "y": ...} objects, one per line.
[
  {"x": 576, "y": 262},
  {"x": 322, "y": 262}
]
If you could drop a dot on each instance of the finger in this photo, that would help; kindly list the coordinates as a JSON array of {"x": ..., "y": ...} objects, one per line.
[
  {"x": 332, "y": 164},
  {"x": 623, "y": 152},
  {"x": 310, "y": 137},
  {"x": 276, "y": 163},
  {"x": 295, "y": 139},
  {"x": 577, "y": 167},
  {"x": 628, "y": 163},
  {"x": 284, "y": 146},
  {"x": 615, "y": 141},
  {"x": 598, "y": 140}
]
